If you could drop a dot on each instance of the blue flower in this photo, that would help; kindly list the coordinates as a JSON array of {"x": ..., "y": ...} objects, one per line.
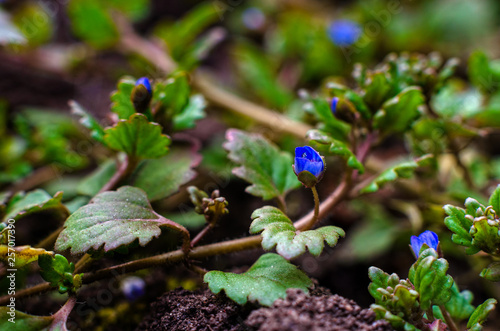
[
  {"x": 309, "y": 165},
  {"x": 133, "y": 288},
  {"x": 144, "y": 81},
  {"x": 253, "y": 18},
  {"x": 344, "y": 32},
  {"x": 427, "y": 237},
  {"x": 333, "y": 104}
]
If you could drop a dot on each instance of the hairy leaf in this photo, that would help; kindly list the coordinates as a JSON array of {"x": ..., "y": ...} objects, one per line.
[
  {"x": 23, "y": 204},
  {"x": 429, "y": 277},
  {"x": 262, "y": 164},
  {"x": 492, "y": 272},
  {"x": 278, "y": 230},
  {"x": 398, "y": 113},
  {"x": 325, "y": 142},
  {"x": 137, "y": 137},
  {"x": 460, "y": 226},
  {"x": 112, "y": 219},
  {"x": 267, "y": 280},
  {"x": 401, "y": 170},
  {"x": 159, "y": 178}
]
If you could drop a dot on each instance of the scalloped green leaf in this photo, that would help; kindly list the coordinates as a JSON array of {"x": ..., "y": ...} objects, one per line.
[
  {"x": 112, "y": 219},
  {"x": 401, "y": 170},
  {"x": 122, "y": 105},
  {"x": 480, "y": 315},
  {"x": 173, "y": 93},
  {"x": 265, "y": 282},
  {"x": 399, "y": 112},
  {"x": 137, "y": 137},
  {"x": 459, "y": 306},
  {"x": 334, "y": 126},
  {"x": 377, "y": 88},
  {"x": 19, "y": 256},
  {"x": 323, "y": 141},
  {"x": 191, "y": 113},
  {"x": 172, "y": 171},
  {"x": 460, "y": 226},
  {"x": 23, "y": 204},
  {"x": 486, "y": 237},
  {"x": 88, "y": 121},
  {"x": 428, "y": 275},
  {"x": 278, "y": 231},
  {"x": 262, "y": 164}
]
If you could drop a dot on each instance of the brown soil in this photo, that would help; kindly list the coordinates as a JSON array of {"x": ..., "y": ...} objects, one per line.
[{"x": 201, "y": 310}]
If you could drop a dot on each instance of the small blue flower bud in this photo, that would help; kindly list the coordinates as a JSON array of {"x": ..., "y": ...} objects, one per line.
[
  {"x": 333, "y": 104},
  {"x": 344, "y": 32},
  {"x": 309, "y": 166},
  {"x": 144, "y": 81},
  {"x": 133, "y": 288},
  {"x": 427, "y": 237},
  {"x": 141, "y": 95}
]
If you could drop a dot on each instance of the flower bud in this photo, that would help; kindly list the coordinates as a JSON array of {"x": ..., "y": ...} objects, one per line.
[
  {"x": 309, "y": 166},
  {"x": 141, "y": 95}
]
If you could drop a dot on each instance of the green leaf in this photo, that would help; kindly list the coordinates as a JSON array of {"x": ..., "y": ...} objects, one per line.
[
  {"x": 137, "y": 137},
  {"x": 459, "y": 306},
  {"x": 192, "y": 112},
  {"x": 18, "y": 257},
  {"x": 491, "y": 272},
  {"x": 266, "y": 281},
  {"x": 35, "y": 23},
  {"x": 171, "y": 171},
  {"x": 335, "y": 127},
  {"x": 262, "y": 164},
  {"x": 17, "y": 320},
  {"x": 460, "y": 226},
  {"x": 162, "y": 177},
  {"x": 376, "y": 89},
  {"x": 260, "y": 75},
  {"x": 111, "y": 220},
  {"x": 481, "y": 74},
  {"x": 91, "y": 21},
  {"x": 397, "y": 322},
  {"x": 122, "y": 105},
  {"x": 479, "y": 315},
  {"x": 323, "y": 141},
  {"x": 23, "y": 204},
  {"x": 494, "y": 200},
  {"x": 486, "y": 236},
  {"x": 398, "y": 113},
  {"x": 278, "y": 230},
  {"x": 88, "y": 121},
  {"x": 429, "y": 277},
  {"x": 58, "y": 272},
  {"x": 401, "y": 170},
  {"x": 173, "y": 93}
]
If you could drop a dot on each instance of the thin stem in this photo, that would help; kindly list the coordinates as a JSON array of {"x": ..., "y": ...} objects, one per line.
[
  {"x": 281, "y": 204},
  {"x": 84, "y": 261},
  {"x": 313, "y": 219},
  {"x": 201, "y": 234},
  {"x": 456, "y": 153},
  {"x": 124, "y": 170},
  {"x": 449, "y": 321}
]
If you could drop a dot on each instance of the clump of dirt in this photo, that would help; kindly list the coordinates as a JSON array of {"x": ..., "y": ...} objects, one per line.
[
  {"x": 201, "y": 310},
  {"x": 301, "y": 312},
  {"x": 182, "y": 310}
]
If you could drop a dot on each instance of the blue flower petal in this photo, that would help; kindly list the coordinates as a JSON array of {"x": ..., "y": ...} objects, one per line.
[
  {"x": 333, "y": 104},
  {"x": 307, "y": 159},
  {"x": 144, "y": 81},
  {"x": 344, "y": 32},
  {"x": 427, "y": 237}
]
